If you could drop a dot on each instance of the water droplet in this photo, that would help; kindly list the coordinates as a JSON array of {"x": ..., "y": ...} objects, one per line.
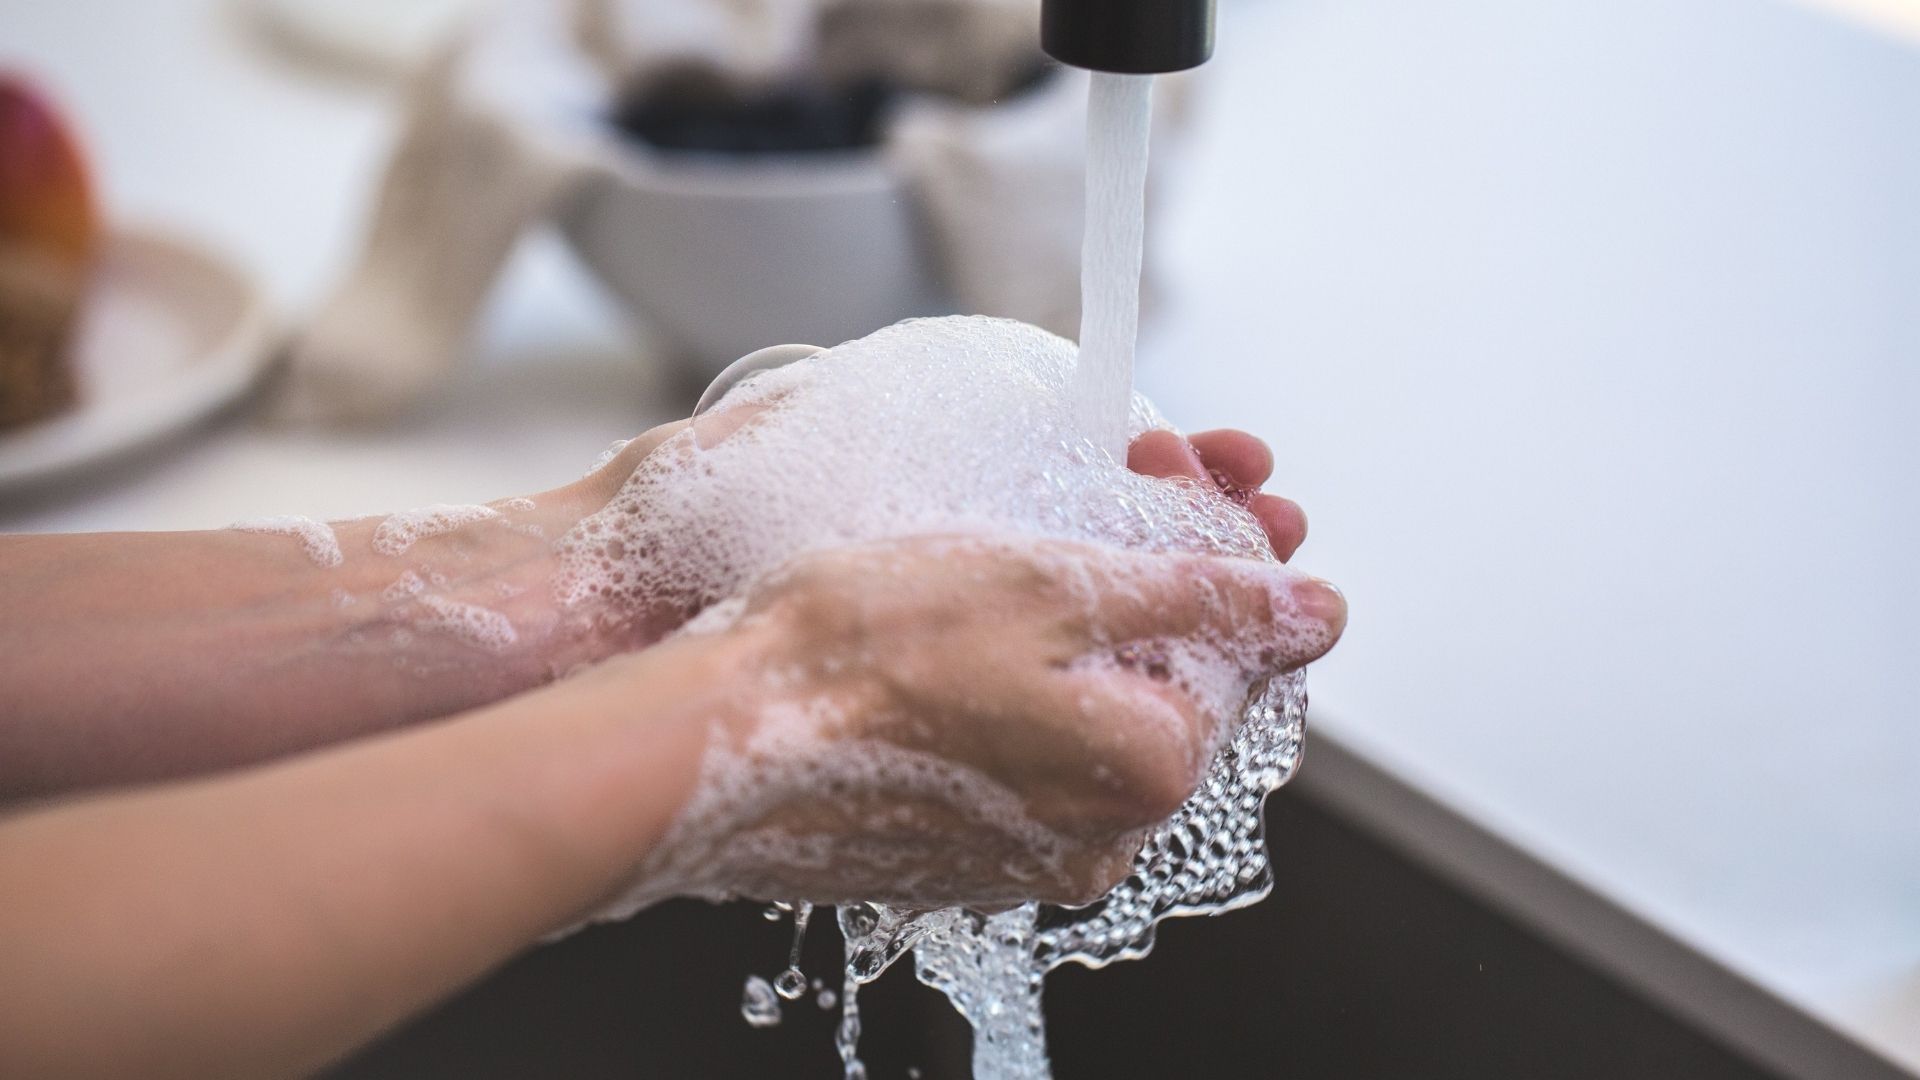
[
  {"x": 759, "y": 1004},
  {"x": 860, "y": 919},
  {"x": 790, "y": 984}
]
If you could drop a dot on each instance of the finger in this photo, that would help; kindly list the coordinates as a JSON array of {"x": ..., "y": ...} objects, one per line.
[
  {"x": 609, "y": 477},
  {"x": 649, "y": 441},
  {"x": 1145, "y": 746},
  {"x": 1166, "y": 455},
  {"x": 1282, "y": 520},
  {"x": 1291, "y": 619},
  {"x": 710, "y": 429},
  {"x": 1235, "y": 459}
]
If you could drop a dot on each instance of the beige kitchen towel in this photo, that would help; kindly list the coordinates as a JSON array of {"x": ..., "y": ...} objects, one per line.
[{"x": 471, "y": 171}]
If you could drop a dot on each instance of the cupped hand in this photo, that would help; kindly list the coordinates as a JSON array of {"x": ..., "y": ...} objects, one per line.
[
  {"x": 511, "y": 569},
  {"x": 1234, "y": 463},
  {"x": 939, "y": 721}
]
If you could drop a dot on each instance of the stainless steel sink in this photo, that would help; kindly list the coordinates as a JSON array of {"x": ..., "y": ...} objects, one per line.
[{"x": 1399, "y": 942}]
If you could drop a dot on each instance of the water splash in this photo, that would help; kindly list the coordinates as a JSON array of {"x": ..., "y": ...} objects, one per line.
[{"x": 1209, "y": 857}]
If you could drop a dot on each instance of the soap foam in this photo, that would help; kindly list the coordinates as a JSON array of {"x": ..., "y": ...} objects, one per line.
[
  {"x": 406, "y": 585},
  {"x": 963, "y": 427},
  {"x": 316, "y": 537},
  {"x": 481, "y": 627},
  {"x": 401, "y": 531},
  {"x": 952, "y": 425}
]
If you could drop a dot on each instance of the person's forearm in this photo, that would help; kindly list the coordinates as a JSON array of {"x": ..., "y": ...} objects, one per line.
[
  {"x": 138, "y": 656},
  {"x": 289, "y": 912}
]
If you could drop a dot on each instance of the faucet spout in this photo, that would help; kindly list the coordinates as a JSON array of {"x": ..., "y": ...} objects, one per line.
[{"x": 1128, "y": 37}]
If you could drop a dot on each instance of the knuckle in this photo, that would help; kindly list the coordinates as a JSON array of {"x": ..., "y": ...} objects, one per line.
[
  {"x": 1098, "y": 872},
  {"x": 1162, "y": 790}
]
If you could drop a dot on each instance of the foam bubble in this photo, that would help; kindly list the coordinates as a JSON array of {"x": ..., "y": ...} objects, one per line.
[
  {"x": 406, "y": 585},
  {"x": 316, "y": 537},
  {"x": 606, "y": 456},
  {"x": 401, "y": 531},
  {"x": 481, "y": 627}
]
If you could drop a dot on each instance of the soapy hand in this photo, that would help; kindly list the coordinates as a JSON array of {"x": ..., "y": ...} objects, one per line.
[
  {"x": 978, "y": 721},
  {"x": 1234, "y": 463}
]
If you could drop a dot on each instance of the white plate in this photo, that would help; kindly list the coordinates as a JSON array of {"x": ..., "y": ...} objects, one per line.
[{"x": 170, "y": 333}]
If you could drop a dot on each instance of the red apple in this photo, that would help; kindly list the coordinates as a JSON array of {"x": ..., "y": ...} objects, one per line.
[
  {"x": 46, "y": 197},
  {"x": 49, "y": 231}
]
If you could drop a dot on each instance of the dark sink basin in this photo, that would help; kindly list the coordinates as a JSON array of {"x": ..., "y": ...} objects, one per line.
[{"x": 1364, "y": 963}]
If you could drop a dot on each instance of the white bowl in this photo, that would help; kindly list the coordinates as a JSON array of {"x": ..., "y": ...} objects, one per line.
[{"x": 722, "y": 255}]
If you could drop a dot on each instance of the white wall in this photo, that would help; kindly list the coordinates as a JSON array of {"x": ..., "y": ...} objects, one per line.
[{"x": 1590, "y": 336}]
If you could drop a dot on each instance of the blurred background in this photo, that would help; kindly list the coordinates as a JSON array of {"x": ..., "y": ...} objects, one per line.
[{"x": 1587, "y": 331}]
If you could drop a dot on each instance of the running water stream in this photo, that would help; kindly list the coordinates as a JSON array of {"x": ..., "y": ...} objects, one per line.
[{"x": 1119, "y": 115}]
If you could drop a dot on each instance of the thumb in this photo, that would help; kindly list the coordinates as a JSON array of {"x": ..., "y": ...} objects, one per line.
[{"x": 1279, "y": 611}]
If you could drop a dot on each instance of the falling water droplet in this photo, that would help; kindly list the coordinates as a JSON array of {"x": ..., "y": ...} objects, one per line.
[
  {"x": 802, "y": 912},
  {"x": 790, "y": 984},
  {"x": 847, "y": 1038},
  {"x": 860, "y": 919},
  {"x": 758, "y": 1003}
]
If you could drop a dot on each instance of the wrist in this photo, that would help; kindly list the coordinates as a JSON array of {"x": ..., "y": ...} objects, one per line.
[
  {"x": 628, "y": 740},
  {"x": 466, "y": 597}
]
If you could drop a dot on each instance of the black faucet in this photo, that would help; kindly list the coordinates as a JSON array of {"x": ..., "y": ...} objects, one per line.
[{"x": 1130, "y": 37}]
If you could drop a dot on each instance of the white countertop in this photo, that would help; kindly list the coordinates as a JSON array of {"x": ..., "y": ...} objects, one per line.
[{"x": 1588, "y": 332}]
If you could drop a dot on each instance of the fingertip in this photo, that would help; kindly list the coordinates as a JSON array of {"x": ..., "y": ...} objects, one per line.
[
  {"x": 710, "y": 429},
  {"x": 1284, "y": 522},
  {"x": 1241, "y": 459},
  {"x": 1323, "y": 602},
  {"x": 1165, "y": 455}
]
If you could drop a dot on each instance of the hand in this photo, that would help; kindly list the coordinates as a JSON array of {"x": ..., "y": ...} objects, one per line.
[
  {"x": 487, "y": 567},
  {"x": 949, "y": 720},
  {"x": 476, "y": 600}
]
